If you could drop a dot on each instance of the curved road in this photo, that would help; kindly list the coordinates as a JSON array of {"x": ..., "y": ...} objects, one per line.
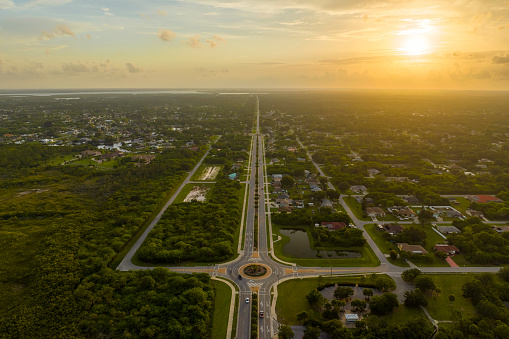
[{"x": 279, "y": 271}]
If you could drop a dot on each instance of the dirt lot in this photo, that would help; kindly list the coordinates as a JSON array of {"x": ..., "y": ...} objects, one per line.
[
  {"x": 197, "y": 193},
  {"x": 209, "y": 173}
]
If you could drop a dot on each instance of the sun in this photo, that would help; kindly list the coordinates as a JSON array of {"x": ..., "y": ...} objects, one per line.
[{"x": 415, "y": 45}]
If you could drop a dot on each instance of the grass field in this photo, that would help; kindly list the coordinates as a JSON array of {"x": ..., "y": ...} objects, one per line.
[
  {"x": 368, "y": 258},
  {"x": 356, "y": 208},
  {"x": 221, "y": 309},
  {"x": 462, "y": 207},
  {"x": 440, "y": 307},
  {"x": 432, "y": 238},
  {"x": 383, "y": 244},
  {"x": 188, "y": 188},
  {"x": 292, "y": 297}
]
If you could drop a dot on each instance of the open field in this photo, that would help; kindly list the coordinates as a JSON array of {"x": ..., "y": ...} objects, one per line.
[
  {"x": 440, "y": 307},
  {"x": 221, "y": 309},
  {"x": 356, "y": 208}
]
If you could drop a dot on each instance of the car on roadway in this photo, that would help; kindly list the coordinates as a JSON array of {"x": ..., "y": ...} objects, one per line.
[
  {"x": 240, "y": 277},
  {"x": 247, "y": 300},
  {"x": 261, "y": 314}
]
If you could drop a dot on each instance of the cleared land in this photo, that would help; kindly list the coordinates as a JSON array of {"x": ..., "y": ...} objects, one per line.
[
  {"x": 209, "y": 173},
  {"x": 197, "y": 193}
]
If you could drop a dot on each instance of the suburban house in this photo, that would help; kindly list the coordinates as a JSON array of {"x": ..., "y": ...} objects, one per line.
[
  {"x": 392, "y": 229},
  {"x": 483, "y": 198},
  {"x": 474, "y": 213},
  {"x": 403, "y": 212},
  {"x": 447, "y": 212},
  {"x": 449, "y": 249},
  {"x": 287, "y": 209},
  {"x": 448, "y": 230},
  {"x": 111, "y": 155},
  {"x": 375, "y": 212},
  {"x": 89, "y": 153},
  {"x": 326, "y": 203},
  {"x": 359, "y": 189},
  {"x": 143, "y": 158},
  {"x": 373, "y": 171},
  {"x": 333, "y": 225},
  {"x": 500, "y": 229},
  {"x": 412, "y": 200},
  {"x": 359, "y": 199},
  {"x": 284, "y": 202},
  {"x": 415, "y": 249}
]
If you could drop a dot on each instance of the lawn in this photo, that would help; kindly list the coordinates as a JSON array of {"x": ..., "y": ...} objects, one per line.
[
  {"x": 432, "y": 238},
  {"x": 221, "y": 309},
  {"x": 462, "y": 207},
  {"x": 292, "y": 297},
  {"x": 188, "y": 188},
  {"x": 356, "y": 208},
  {"x": 383, "y": 244},
  {"x": 60, "y": 159},
  {"x": 368, "y": 258},
  {"x": 440, "y": 308},
  {"x": 403, "y": 314}
]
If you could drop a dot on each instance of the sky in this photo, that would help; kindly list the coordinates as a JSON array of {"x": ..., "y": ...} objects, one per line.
[{"x": 409, "y": 44}]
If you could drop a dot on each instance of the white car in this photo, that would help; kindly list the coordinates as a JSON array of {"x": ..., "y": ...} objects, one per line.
[{"x": 247, "y": 300}]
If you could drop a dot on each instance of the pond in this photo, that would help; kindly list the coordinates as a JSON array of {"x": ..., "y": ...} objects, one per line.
[{"x": 299, "y": 247}]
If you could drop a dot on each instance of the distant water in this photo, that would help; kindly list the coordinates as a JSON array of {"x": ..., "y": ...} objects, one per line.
[
  {"x": 41, "y": 93},
  {"x": 47, "y": 93}
]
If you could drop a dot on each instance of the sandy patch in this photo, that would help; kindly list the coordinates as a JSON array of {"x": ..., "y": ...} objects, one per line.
[
  {"x": 197, "y": 193},
  {"x": 35, "y": 190},
  {"x": 209, "y": 173}
]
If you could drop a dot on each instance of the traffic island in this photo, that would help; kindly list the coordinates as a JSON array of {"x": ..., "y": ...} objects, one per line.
[{"x": 255, "y": 271}]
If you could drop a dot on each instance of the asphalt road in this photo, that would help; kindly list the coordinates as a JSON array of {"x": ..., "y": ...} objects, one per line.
[{"x": 267, "y": 326}]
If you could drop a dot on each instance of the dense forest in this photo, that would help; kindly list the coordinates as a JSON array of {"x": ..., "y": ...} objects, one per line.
[
  {"x": 480, "y": 243},
  {"x": 63, "y": 223},
  {"x": 196, "y": 231}
]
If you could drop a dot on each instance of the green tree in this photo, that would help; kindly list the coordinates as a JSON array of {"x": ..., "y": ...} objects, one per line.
[
  {"x": 302, "y": 316},
  {"x": 415, "y": 298},
  {"x": 315, "y": 298},
  {"x": 503, "y": 273},
  {"x": 343, "y": 292},
  {"x": 393, "y": 254},
  {"x": 425, "y": 283},
  {"x": 425, "y": 215},
  {"x": 367, "y": 292},
  {"x": 381, "y": 305},
  {"x": 410, "y": 275},
  {"x": 287, "y": 182},
  {"x": 285, "y": 332},
  {"x": 311, "y": 333}
]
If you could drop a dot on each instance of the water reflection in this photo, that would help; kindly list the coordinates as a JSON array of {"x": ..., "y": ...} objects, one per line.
[{"x": 299, "y": 247}]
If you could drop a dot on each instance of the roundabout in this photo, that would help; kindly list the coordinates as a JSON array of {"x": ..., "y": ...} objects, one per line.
[{"x": 255, "y": 271}]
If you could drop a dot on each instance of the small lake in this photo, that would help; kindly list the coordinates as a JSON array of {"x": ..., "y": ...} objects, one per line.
[{"x": 299, "y": 247}]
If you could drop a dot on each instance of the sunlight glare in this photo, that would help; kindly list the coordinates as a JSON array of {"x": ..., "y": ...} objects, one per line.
[{"x": 415, "y": 45}]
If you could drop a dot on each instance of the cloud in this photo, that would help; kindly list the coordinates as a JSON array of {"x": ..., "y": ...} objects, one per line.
[
  {"x": 500, "y": 59},
  {"x": 7, "y": 4},
  {"x": 59, "y": 30},
  {"x": 206, "y": 72},
  {"x": 215, "y": 40},
  {"x": 194, "y": 41},
  {"x": 88, "y": 36},
  {"x": 132, "y": 68},
  {"x": 106, "y": 11},
  {"x": 74, "y": 68},
  {"x": 64, "y": 30},
  {"x": 162, "y": 12},
  {"x": 166, "y": 34}
]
